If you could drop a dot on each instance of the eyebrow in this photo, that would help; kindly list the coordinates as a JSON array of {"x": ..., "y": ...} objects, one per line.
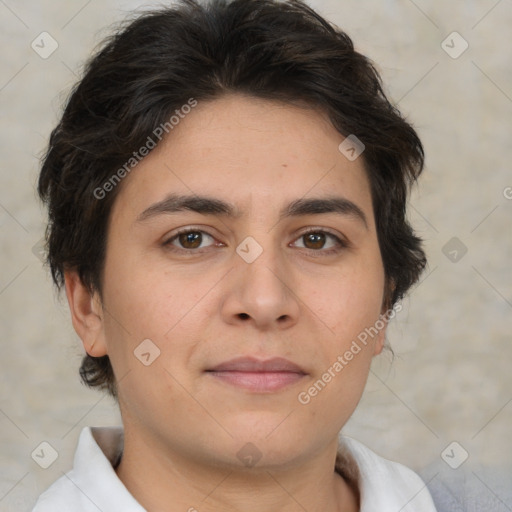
[{"x": 205, "y": 205}]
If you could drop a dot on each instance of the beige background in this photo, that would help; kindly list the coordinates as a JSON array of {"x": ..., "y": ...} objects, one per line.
[{"x": 451, "y": 379}]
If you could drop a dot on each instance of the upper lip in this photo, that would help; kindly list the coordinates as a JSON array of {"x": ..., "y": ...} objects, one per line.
[{"x": 252, "y": 364}]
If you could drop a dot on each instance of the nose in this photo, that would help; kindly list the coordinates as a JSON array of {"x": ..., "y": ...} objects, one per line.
[{"x": 261, "y": 293}]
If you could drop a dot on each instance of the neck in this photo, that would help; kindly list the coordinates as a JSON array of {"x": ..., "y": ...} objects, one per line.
[{"x": 157, "y": 477}]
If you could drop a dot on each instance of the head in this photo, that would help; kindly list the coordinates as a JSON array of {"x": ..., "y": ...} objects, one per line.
[{"x": 242, "y": 106}]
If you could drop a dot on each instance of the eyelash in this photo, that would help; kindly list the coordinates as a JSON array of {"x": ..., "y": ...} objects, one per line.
[{"x": 342, "y": 244}]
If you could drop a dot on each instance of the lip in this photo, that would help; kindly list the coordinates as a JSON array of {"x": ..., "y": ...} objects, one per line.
[{"x": 260, "y": 376}]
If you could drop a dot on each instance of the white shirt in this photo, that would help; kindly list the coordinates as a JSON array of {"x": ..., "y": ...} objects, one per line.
[{"x": 93, "y": 485}]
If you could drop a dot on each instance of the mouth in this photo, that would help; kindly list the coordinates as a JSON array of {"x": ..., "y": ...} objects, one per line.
[{"x": 259, "y": 376}]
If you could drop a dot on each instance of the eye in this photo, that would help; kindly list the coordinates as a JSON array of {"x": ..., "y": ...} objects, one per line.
[
  {"x": 315, "y": 240},
  {"x": 318, "y": 240},
  {"x": 188, "y": 240}
]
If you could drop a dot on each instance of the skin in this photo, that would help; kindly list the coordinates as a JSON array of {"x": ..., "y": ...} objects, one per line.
[{"x": 202, "y": 308}]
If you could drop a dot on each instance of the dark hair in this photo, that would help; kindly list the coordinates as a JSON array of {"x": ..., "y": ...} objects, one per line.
[{"x": 157, "y": 62}]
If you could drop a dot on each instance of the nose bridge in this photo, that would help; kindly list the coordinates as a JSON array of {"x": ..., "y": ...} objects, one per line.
[
  {"x": 261, "y": 289},
  {"x": 262, "y": 269}
]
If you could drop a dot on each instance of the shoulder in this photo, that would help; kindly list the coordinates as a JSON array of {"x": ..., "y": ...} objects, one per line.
[
  {"x": 383, "y": 485},
  {"x": 472, "y": 487},
  {"x": 92, "y": 484},
  {"x": 62, "y": 495}
]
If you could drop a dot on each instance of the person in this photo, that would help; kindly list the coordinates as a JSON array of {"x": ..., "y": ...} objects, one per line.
[{"x": 227, "y": 193}]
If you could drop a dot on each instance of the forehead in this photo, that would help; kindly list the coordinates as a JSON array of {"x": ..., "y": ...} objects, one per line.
[{"x": 247, "y": 150}]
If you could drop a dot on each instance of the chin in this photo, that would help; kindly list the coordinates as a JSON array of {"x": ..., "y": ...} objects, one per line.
[{"x": 271, "y": 439}]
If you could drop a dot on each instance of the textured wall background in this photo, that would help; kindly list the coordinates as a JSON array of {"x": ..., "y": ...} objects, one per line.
[{"x": 451, "y": 378}]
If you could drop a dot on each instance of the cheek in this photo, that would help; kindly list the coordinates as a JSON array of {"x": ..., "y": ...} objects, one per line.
[
  {"x": 147, "y": 297},
  {"x": 146, "y": 302},
  {"x": 349, "y": 302},
  {"x": 350, "y": 306}
]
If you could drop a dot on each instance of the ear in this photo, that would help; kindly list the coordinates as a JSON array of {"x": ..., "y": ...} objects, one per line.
[
  {"x": 86, "y": 315},
  {"x": 380, "y": 340}
]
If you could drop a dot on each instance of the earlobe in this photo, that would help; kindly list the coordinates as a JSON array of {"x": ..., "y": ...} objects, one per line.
[
  {"x": 380, "y": 341},
  {"x": 86, "y": 315}
]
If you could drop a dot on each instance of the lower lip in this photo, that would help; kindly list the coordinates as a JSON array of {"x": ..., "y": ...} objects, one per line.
[{"x": 262, "y": 382}]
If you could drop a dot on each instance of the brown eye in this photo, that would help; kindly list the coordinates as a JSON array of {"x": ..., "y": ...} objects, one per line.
[
  {"x": 189, "y": 240},
  {"x": 314, "y": 240},
  {"x": 322, "y": 242}
]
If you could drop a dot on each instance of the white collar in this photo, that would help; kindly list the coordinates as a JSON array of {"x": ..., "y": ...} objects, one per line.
[{"x": 383, "y": 485}]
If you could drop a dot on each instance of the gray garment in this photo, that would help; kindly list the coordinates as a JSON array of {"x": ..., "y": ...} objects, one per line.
[{"x": 469, "y": 488}]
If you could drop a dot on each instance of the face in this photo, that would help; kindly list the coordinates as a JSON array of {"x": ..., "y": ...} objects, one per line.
[{"x": 252, "y": 313}]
